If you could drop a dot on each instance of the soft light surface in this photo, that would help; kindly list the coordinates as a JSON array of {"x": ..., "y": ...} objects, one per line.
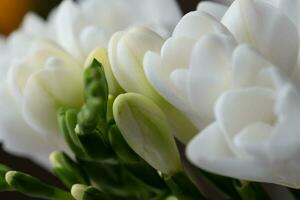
[
  {"x": 42, "y": 63},
  {"x": 234, "y": 73}
]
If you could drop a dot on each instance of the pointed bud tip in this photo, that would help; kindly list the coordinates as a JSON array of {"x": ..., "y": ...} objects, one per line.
[
  {"x": 78, "y": 191},
  {"x": 54, "y": 156},
  {"x": 9, "y": 176}
]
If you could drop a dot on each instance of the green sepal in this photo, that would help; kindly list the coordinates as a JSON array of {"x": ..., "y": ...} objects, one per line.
[
  {"x": 116, "y": 180},
  {"x": 66, "y": 125},
  {"x": 68, "y": 171},
  {"x": 250, "y": 190},
  {"x": 95, "y": 145},
  {"x": 33, "y": 187},
  {"x": 182, "y": 187},
  {"x": 148, "y": 175}
]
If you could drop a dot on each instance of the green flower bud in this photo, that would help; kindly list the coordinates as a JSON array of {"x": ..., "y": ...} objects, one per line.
[
  {"x": 33, "y": 187},
  {"x": 96, "y": 97},
  {"x": 182, "y": 187},
  {"x": 67, "y": 120},
  {"x": 83, "y": 192},
  {"x": 95, "y": 145},
  {"x": 67, "y": 170},
  {"x": 146, "y": 130}
]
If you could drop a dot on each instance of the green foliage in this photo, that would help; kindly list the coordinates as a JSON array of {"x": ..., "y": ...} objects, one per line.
[{"x": 67, "y": 170}]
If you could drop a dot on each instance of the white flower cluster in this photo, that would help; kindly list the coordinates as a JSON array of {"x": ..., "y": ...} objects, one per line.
[
  {"x": 41, "y": 65},
  {"x": 229, "y": 72}
]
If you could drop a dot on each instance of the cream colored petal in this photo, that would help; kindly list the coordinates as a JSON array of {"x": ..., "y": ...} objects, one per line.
[
  {"x": 196, "y": 24},
  {"x": 216, "y": 10},
  {"x": 209, "y": 74},
  {"x": 254, "y": 139},
  {"x": 126, "y": 53},
  {"x": 285, "y": 141},
  {"x": 247, "y": 65},
  {"x": 237, "y": 109},
  {"x": 210, "y": 151},
  {"x": 260, "y": 24},
  {"x": 46, "y": 91}
]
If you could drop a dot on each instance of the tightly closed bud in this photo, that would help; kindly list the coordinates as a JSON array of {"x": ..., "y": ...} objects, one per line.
[
  {"x": 83, "y": 192},
  {"x": 126, "y": 52},
  {"x": 67, "y": 170},
  {"x": 67, "y": 120},
  {"x": 146, "y": 130},
  {"x": 33, "y": 187},
  {"x": 95, "y": 145},
  {"x": 101, "y": 56},
  {"x": 96, "y": 97}
]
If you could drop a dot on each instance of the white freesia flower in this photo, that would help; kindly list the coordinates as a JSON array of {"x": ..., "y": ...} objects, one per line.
[
  {"x": 79, "y": 28},
  {"x": 237, "y": 76},
  {"x": 18, "y": 137},
  {"x": 40, "y": 75},
  {"x": 126, "y": 52}
]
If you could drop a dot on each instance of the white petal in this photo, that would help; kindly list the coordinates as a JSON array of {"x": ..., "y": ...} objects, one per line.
[
  {"x": 261, "y": 25},
  {"x": 179, "y": 79},
  {"x": 237, "y": 109},
  {"x": 225, "y": 2},
  {"x": 126, "y": 53},
  {"x": 247, "y": 64},
  {"x": 19, "y": 138},
  {"x": 176, "y": 53},
  {"x": 253, "y": 140},
  {"x": 286, "y": 141},
  {"x": 18, "y": 44},
  {"x": 34, "y": 25},
  {"x": 156, "y": 11},
  {"x": 209, "y": 73},
  {"x": 46, "y": 91},
  {"x": 209, "y": 151},
  {"x": 196, "y": 24},
  {"x": 40, "y": 52},
  {"x": 215, "y": 9},
  {"x": 159, "y": 77},
  {"x": 92, "y": 37},
  {"x": 160, "y": 80},
  {"x": 292, "y": 9},
  {"x": 66, "y": 17}
]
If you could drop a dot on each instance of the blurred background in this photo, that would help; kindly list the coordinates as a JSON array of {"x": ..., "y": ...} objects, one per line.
[{"x": 11, "y": 14}]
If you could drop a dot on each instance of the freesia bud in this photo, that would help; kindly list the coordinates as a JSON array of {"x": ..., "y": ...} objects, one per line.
[
  {"x": 83, "y": 192},
  {"x": 146, "y": 130},
  {"x": 67, "y": 170},
  {"x": 33, "y": 187},
  {"x": 126, "y": 54}
]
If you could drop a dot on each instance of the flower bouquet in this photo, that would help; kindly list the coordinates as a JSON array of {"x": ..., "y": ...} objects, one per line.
[{"x": 128, "y": 100}]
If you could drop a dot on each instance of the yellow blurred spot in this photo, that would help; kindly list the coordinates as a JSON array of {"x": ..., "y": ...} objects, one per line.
[{"x": 11, "y": 14}]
